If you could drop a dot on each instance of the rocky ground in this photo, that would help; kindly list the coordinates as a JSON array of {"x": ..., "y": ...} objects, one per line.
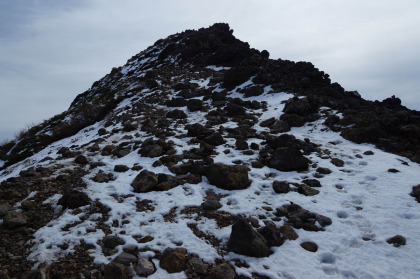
[{"x": 172, "y": 167}]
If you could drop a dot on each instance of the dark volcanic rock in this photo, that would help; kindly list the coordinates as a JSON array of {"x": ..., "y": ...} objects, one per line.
[
  {"x": 211, "y": 205},
  {"x": 112, "y": 241},
  {"x": 176, "y": 114},
  {"x": 288, "y": 159},
  {"x": 397, "y": 240},
  {"x": 309, "y": 246},
  {"x": 145, "y": 181},
  {"x": 228, "y": 177},
  {"x": 281, "y": 187},
  {"x": 246, "y": 241},
  {"x": 73, "y": 199},
  {"x": 214, "y": 139},
  {"x": 272, "y": 235}
]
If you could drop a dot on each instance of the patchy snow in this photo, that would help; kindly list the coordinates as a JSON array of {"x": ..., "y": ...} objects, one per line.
[{"x": 362, "y": 198}]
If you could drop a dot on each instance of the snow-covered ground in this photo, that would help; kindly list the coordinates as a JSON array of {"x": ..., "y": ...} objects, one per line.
[{"x": 367, "y": 205}]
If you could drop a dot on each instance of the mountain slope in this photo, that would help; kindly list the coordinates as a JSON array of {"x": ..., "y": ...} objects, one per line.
[{"x": 180, "y": 156}]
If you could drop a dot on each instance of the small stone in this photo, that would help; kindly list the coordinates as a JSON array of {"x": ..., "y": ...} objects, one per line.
[
  {"x": 393, "y": 170},
  {"x": 211, "y": 205},
  {"x": 397, "y": 240},
  {"x": 307, "y": 191},
  {"x": 309, "y": 246},
  {"x": 125, "y": 259},
  {"x": 121, "y": 168},
  {"x": 369, "y": 152},
  {"x": 312, "y": 182},
  {"x": 254, "y": 146},
  {"x": 323, "y": 170},
  {"x": 323, "y": 220},
  {"x": 145, "y": 267}
]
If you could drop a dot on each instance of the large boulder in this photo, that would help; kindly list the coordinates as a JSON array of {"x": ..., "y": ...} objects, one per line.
[
  {"x": 228, "y": 177},
  {"x": 246, "y": 241},
  {"x": 288, "y": 159}
]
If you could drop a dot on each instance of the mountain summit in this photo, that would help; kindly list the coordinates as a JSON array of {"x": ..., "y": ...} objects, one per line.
[{"x": 203, "y": 158}]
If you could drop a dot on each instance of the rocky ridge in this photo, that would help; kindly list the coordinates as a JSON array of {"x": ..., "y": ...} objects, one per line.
[{"x": 201, "y": 155}]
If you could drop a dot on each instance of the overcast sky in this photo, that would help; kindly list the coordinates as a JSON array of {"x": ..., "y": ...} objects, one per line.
[{"x": 50, "y": 51}]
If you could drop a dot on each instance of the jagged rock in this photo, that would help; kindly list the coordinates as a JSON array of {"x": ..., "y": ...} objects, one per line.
[
  {"x": 173, "y": 262},
  {"x": 309, "y": 246},
  {"x": 281, "y": 187},
  {"x": 4, "y": 208},
  {"x": 73, "y": 199},
  {"x": 116, "y": 270},
  {"x": 14, "y": 219},
  {"x": 144, "y": 182},
  {"x": 228, "y": 177},
  {"x": 145, "y": 267},
  {"x": 211, "y": 205},
  {"x": 125, "y": 259},
  {"x": 221, "y": 271},
  {"x": 288, "y": 159},
  {"x": 246, "y": 241},
  {"x": 112, "y": 241},
  {"x": 396, "y": 240}
]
